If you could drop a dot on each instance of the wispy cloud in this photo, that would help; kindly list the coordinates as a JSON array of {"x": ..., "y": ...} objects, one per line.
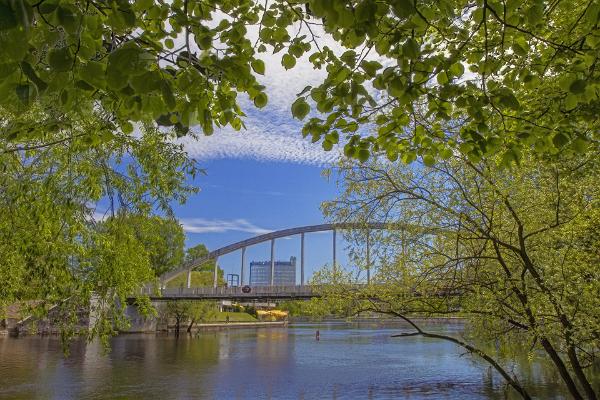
[
  {"x": 272, "y": 134},
  {"x": 201, "y": 225}
]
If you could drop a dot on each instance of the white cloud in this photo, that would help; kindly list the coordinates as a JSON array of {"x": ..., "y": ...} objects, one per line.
[
  {"x": 272, "y": 134},
  {"x": 201, "y": 225},
  {"x": 266, "y": 144}
]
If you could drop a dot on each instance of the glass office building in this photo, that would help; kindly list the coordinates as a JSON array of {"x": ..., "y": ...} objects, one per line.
[{"x": 285, "y": 273}]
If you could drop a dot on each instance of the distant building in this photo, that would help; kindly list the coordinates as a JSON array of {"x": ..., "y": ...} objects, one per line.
[{"x": 285, "y": 272}]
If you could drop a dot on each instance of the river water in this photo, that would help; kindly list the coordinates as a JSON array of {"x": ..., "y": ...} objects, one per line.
[{"x": 350, "y": 361}]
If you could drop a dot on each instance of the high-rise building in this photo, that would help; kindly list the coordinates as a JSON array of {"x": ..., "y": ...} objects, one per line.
[{"x": 285, "y": 272}]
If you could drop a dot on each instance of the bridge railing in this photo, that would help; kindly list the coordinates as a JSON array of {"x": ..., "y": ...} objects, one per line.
[{"x": 255, "y": 291}]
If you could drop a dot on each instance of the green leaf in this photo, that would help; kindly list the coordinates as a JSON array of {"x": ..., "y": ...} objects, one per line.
[
  {"x": 456, "y": 70},
  {"x": 363, "y": 155},
  {"x": 403, "y": 8},
  {"x": 60, "y": 59},
  {"x": 33, "y": 77},
  {"x": 446, "y": 153},
  {"x": 167, "y": 95},
  {"x": 580, "y": 145},
  {"x": 508, "y": 99},
  {"x": 571, "y": 101},
  {"x": 204, "y": 42},
  {"x": 577, "y": 86},
  {"x": 48, "y": 6},
  {"x": 382, "y": 46},
  {"x": 408, "y": 157},
  {"x": 429, "y": 160},
  {"x": 258, "y": 66},
  {"x": 560, "y": 140},
  {"x": 127, "y": 127},
  {"x": 300, "y": 108},
  {"x": 68, "y": 18},
  {"x": 260, "y": 100},
  {"x": 411, "y": 48},
  {"x": 94, "y": 74},
  {"x": 442, "y": 78},
  {"x": 288, "y": 61},
  {"x": 370, "y": 67}
]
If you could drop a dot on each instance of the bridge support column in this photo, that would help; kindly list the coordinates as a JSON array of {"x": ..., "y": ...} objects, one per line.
[
  {"x": 368, "y": 258},
  {"x": 216, "y": 272},
  {"x": 189, "y": 278},
  {"x": 242, "y": 266},
  {"x": 334, "y": 250},
  {"x": 272, "y": 261},
  {"x": 302, "y": 259}
]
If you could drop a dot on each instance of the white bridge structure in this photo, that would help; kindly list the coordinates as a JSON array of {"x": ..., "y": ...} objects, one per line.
[{"x": 272, "y": 236}]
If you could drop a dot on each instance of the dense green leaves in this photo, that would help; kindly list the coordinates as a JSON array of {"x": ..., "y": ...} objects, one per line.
[
  {"x": 77, "y": 214},
  {"x": 525, "y": 72}
]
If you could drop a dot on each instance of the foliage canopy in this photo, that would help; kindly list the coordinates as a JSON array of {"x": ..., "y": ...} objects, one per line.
[
  {"x": 76, "y": 220},
  {"x": 485, "y": 77}
]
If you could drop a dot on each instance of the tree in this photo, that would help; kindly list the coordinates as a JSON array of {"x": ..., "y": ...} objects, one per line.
[
  {"x": 198, "y": 279},
  {"x": 202, "y": 311},
  {"x": 487, "y": 77},
  {"x": 512, "y": 250},
  {"x": 206, "y": 270},
  {"x": 180, "y": 311},
  {"x": 197, "y": 252},
  {"x": 186, "y": 310},
  {"x": 163, "y": 238},
  {"x": 202, "y": 275},
  {"x": 64, "y": 231}
]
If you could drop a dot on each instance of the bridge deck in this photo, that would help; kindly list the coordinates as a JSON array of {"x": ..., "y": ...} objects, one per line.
[{"x": 234, "y": 293}]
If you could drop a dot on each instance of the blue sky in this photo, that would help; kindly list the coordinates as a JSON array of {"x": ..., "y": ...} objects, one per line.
[
  {"x": 266, "y": 177},
  {"x": 243, "y": 197}
]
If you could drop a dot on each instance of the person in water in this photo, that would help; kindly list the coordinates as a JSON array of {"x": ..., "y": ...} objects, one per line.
[{"x": 317, "y": 335}]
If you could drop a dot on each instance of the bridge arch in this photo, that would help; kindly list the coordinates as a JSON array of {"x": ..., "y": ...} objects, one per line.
[{"x": 272, "y": 236}]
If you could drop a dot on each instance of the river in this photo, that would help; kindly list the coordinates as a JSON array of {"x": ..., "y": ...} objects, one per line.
[{"x": 350, "y": 361}]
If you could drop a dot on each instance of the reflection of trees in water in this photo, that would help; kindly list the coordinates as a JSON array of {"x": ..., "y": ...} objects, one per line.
[
  {"x": 244, "y": 364},
  {"x": 535, "y": 372},
  {"x": 32, "y": 367}
]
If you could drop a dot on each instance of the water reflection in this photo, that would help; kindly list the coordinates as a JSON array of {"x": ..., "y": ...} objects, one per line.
[{"x": 350, "y": 361}]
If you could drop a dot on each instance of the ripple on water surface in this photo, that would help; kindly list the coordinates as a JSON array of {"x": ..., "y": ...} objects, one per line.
[{"x": 350, "y": 361}]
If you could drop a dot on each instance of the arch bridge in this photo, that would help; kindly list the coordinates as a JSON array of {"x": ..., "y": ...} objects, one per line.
[{"x": 272, "y": 236}]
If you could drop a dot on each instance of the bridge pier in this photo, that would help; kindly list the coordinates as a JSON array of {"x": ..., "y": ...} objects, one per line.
[
  {"x": 334, "y": 250},
  {"x": 368, "y": 258},
  {"x": 272, "y": 261},
  {"x": 215, "y": 275},
  {"x": 302, "y": 259},
  {"x": 242, "y": 266}
]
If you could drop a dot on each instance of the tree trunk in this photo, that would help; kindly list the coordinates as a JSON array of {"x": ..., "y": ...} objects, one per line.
[
  {"x": 189, "y": 329},
  {"x": 177, "y": 323}
]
